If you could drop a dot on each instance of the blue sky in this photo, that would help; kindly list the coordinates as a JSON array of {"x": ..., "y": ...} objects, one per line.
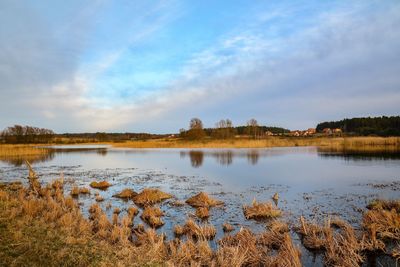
[{"x": 151, "y": 66}]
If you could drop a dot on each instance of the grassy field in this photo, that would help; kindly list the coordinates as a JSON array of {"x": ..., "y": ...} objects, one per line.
[{"x": 344, "y": 143}]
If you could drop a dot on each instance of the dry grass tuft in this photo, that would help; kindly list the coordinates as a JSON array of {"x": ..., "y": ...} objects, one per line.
[
  {"x": 150, "y": 196},
  {"x": 206, "y": 231},
  {"x": 396, "y": 252},
  {"x": 202, "y": 212},
  {"x": 342, "y": 247},
  {"x": 126, "y": 194},
  {"x": 132, "y": 212},
  {"x": 117, "y": 211},
  {"x": 261, "y": 210},
  {"x": 100, "y": 185},
  {"x": 381, "y": 204},
  {"x": 203, "y": 200},
  {"x": 84, "y": 190},
  {"x": 152, "y": 216},
  {"x": 75, "y": 191},
  {"x": 226, "y": 227},
  {"x": 99, "y": 198},
  {"x": 179, "y": 230}
]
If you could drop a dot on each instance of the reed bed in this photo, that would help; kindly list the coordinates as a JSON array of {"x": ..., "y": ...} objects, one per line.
[
  {"x": 41, "y": 226},
  {"x": 261, "y": 210},
  {"x": 7, "y": 151},
  {"x": 338, "y": 143}
]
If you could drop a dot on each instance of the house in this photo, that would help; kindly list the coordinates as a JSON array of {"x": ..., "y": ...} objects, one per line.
[
  {"x": 337, "y": 131},
  {"x": 269, "y": 133},
  {"x": 295, "y": 133},
  {"x": 327, "y": 131},
  {"x": 311, "y": 131}
]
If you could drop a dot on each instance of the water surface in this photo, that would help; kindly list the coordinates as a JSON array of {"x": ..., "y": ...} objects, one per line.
[{"x": 310, "y": 182}]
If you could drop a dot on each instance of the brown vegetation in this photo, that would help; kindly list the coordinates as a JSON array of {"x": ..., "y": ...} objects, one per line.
[
  {"x": 261, "y": 210},
  {"x": 75, "y": 191},
  {"x": 372, "y": 144},
  {"x": 226, "y": 227},
  {"x": 150, "y": 196},
  {"x": 202, "y": 212},
  {"x": 40, "y": 226},
  {"x": 100, "y": 185},
  {"x": 203, "y": 200},
  {"x": 152, "y": 216},
  {"x": 126, "y": 194}
]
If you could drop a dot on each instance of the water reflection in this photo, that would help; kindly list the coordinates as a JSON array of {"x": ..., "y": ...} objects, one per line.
[
  {"x": 19, "y": 161},
  {"x": 351, "y": 155},
  {"x": 224, "y": 157},
  {"x": 252, "y": 157},
  {"x": 196, "y": 158}
]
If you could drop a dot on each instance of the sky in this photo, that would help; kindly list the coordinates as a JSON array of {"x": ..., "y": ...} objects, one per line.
[{"x": 151, "y": 66}]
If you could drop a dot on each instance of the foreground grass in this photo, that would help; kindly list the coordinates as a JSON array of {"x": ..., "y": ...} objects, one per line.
[
  {"x": 344, "y": 143},
  {"x": 42, "y": 226}
]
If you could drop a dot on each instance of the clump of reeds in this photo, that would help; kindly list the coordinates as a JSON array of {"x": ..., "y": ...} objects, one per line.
[
  {"x": 150, "y": 196},
  {"x": 381, "y": 204},
  {"x": 152, "y": 216},
  {"x": 133, "y": 211},
  {"x": 126, "y": 194},
  {"x": 100, "y": 185},
  {"x": 203, "y": 200},
  {"x": 226, "y": 227},
  {"x": 202, "y": 212},
  {"x": 261, "y": 210},
  {"x": 342, "y": 247},
  {"x": 396, "y": 252},
  {"x": 206, "y": 231},
  {"x": 179, "y": 230},
  {"x": 75, "y": 191},
  {"x": 382, "y": 223}
]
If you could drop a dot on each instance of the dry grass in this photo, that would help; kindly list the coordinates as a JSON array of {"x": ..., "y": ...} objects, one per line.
[
  {"x": 338, "y": 143},
  {"x": 126, "y": 194},
  {"x": 206, "y": 231},
  {"x": 385, "y": 224},
  {"x": 202, "y": 212},
  {"x": 261, "y": 210},
  {"x": 132, "y": 211},
  {"x": 152, "y": 216},
  {"x": 150, "y": 196},
  {"x": 203, "y": 200},
  {"x": 75, "y": 191},
  {"x": 226, "y": 227},
  {"x": 341, "y": 247},
  {"x": 7, "y": 151},
  {"x": 100, "y": 185}
]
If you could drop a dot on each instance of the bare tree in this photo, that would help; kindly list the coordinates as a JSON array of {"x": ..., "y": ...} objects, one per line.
[{"x": 196, "y": 130}]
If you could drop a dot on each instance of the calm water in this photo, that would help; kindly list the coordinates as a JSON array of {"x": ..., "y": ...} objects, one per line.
[{"x": 311, "y": 183}]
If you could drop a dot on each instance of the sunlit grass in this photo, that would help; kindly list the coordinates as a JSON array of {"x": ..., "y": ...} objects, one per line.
[{"x": 338, "y": 143}]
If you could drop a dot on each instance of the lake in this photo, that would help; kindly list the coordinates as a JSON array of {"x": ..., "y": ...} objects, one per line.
[{"x": 310, "y": 182}]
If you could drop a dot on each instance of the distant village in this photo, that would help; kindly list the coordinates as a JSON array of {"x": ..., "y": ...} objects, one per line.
[{"x": 309, "y": 132}]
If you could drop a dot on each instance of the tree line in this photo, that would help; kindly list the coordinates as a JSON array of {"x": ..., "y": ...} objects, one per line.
[
  {"x": 381, "y": 126},
  {"x": 224, "y": 129},
  {"x": 19, "y": 134}
]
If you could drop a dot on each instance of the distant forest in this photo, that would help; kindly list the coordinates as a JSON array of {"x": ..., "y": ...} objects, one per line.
[{"x": 381, "y": 126}]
